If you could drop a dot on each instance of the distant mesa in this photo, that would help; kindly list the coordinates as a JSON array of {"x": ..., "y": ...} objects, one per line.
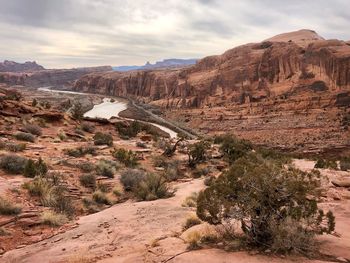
[
  {"x": 11, "y": 66},
  {"x": 166, "y": 63}
]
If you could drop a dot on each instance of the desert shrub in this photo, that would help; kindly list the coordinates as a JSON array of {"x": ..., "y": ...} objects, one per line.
[
  {"x": 87, "y": 167},
  {"x": 106, "y": 168},
  {"x": 53, "y": 219},
  {"x": 13, "y": 164},
  {"x": 190, "y": 201},
  {"x": 117, "y": 191},
  {"x": 172, "y": 168},
  {"x": 127, "y": 130},
  {"x": 80, "y": 151},
  {"x": 87, "y": 127},
  {"x": 62, "y": 136},
  {"x": 8, "y": 208},
  {"x": 209, "y": 180},
  {"x": 345, "y": 164},
  {"x": 130, "y": 130},
  {"x": 152, "y": 187},
  {"x": 103, "y": 139},
  {"x": 274, "y": 155},
  {"x": 77, "y": 111},
  {"x": 88, "y": 180},
  {"x": 24, "y": 136},
  {"x": 101, "y": 198},
  {"x": 289, "y": 236},
  {"x": 199, "y": 172},
  {"x": 39, "y": 187},
  {"x": 191, "y": 221},
  {"x": 141, "y": 145},
  {"x": 103, "y": 187},
  {"x": 34, "y": 103},
  {"x": 51, "y": 194},
  {"x": 261, "y": 194},
  {"x": 128, "y": 158},
  {"x": 197, "y": 152},
  {"x": 15, "y": 147},
  {"x": 33, "y": 129},
  {"x": 232, "y": 147},
  {"x": 131, "y": 178},
  {"x": 34, "y": 168},
  {"x": 326, "y": 164},
  {"x": 193, "y": 239}
]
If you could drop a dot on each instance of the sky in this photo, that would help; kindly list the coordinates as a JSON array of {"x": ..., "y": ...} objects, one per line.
[{"x": 76, "y": 33}]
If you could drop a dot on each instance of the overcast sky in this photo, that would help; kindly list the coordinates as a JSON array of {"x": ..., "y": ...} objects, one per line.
[{"x": 69, "y": 33}]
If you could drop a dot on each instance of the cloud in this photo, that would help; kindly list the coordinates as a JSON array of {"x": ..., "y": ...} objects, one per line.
[{"x": 68, "y": 33}]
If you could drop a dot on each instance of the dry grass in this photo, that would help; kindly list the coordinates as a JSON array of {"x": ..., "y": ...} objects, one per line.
[
  {"x": 190, "y": 201},
  {"x": 53, "y": 219}
]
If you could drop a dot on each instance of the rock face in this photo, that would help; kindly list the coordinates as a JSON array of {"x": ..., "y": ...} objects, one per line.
[
  {"x": 51, "y": 77},
  {"x": 11, "y": 66},
  {"x": 292, "y": 90},
  {"x": 248, "y": 73}
]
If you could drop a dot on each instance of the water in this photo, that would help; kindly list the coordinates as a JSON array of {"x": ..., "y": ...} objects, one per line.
[{"x": 108, "y": 109}]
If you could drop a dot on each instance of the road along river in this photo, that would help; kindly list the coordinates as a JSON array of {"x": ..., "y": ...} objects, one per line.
[{"x": 108, "y": 108}]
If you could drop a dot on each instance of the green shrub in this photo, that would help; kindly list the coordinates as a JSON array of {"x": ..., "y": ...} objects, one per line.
[
  {"x": 232, "y": 147},
  {"x": 33, "y": 168},
  {"x": 32, "y": 129},
  {"x": 77, "y": 111},
  {"x": 131, "y": 178},
  {"x": 103, "y": 139},
  {"x": 13, "y": 164},
  {"x": 209, "y": 180},
  {"x": 101, "y": 198},
  {"x": 191, "y": 221},
  {"x": 7, "y": 208},
  {"x": 128, "y": 158},
  {"x": 190, "y": 201},
  {"x": 263, "y": 194},
  {"x": 80, "y": 151},
  {"x": 53, "y": 219},
  {"x": 106, "y": 168},
  {"x": 15, "y": 147},
  {"x": 12, "y": 147},
  {"x": 130, "y": 130},
  {"x": 87, "y": 127},
  {"x": 326, "y": 164},
  {"x": 88, "y": 180},
  {"x": 23, "y": 136},
  {"x": 198, "y": 152},
  {"x": 87, "y": 167},
  {"x": 345, "y": 164},
  {"x": 152, "y": 187}
]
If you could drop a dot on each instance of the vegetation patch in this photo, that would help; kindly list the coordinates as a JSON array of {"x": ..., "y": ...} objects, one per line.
[
  {"x": 128, "y": 158},
  {"x": 103, "y": 139},
  {"x": 13, "y": 164},
  {"x": 24, "y": 136},
  {"x": 8, "y": 208}
]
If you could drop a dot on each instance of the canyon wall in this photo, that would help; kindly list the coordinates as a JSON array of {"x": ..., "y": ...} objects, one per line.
[{"x": 59, "y": 78}]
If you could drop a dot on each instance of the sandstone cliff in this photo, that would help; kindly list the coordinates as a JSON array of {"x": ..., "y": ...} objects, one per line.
[{"x": 290, "y": 91}]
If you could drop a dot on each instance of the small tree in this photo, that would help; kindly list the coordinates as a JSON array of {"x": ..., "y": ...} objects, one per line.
[
  {"x": 103, "y": 139},
  {"x": 197, "y": 152},
  {"x": 233, "y": 148},
  {"x": 265, "y": 196},
  {"x": 34, "y": 102},
  {"x": 77, "y": 111}
]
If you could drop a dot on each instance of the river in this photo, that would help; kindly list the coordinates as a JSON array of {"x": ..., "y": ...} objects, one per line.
[{"x": 108, "y": 109}]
